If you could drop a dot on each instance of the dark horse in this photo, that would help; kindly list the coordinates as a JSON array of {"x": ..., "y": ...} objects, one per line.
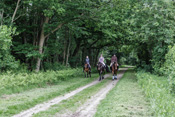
[
  {"x": 114, "y": 70},
  {"x": 87, "y": 70},
  {"x": 101, "y": 70}
]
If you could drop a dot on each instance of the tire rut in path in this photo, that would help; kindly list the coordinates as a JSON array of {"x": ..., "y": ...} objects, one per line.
[
  {"x": 89, "y": 108},
  {"x": 44, "y": 106}
]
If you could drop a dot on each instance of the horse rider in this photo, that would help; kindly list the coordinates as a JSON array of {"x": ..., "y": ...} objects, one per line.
[
  {"x": 101, "y": 60},
  {"x": 87, "y": 61},
  {"x": 113, "y": 59}
]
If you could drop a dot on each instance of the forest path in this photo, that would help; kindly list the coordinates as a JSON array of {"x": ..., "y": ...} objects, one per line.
[
  {"x": 44, "y": 106},
  {"x": 89, "y": 108}
]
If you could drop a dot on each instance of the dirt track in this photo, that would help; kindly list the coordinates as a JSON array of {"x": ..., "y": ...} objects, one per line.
[
  {"x": 89, "y": 108},
  {"x": 44, "y": 106}
]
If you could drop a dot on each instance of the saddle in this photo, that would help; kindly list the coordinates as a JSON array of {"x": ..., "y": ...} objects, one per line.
[
  {"x": 87, "y": 65},
  {"x": 115, "y": 65}
]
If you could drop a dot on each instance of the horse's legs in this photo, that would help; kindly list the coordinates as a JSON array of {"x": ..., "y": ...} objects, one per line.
[
  {"x": 116, "y": 74},
  {"x": 112, "y": 75},
  {"x": 103, "y": 75},
  {"x": 84, "y": 74},
  {"x": 100, "y": 75}
]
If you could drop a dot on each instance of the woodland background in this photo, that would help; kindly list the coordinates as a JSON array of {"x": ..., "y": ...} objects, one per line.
[{"x": 54, "y": 34}]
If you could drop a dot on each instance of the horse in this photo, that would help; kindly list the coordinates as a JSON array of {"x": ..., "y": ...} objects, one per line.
[
  {"x": 87, "y": 70},
  {"x": 101, "y": 70},
  {"x": 114, "y": 70}
]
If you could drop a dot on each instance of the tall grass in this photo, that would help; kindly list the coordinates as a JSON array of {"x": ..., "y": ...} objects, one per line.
[
  {"x": 157, "y": 90},
  {"x": 11, "y": 82}
]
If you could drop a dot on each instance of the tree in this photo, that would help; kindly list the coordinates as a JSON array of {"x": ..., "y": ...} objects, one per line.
[{"x": 7, "y": 61}]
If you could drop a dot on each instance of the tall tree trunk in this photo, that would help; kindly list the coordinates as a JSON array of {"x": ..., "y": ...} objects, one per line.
[
  {"x": 35, "y": 35},
  {"x": 17, "y": 5},
  {"x": 68, "y": 48},
  {"x": 65, "y": 45},
  {"x": 78, "y": 44},
  {"x": 96, "y": 58},
  {"x": 41, "y": 43},
  {"x": 1, "y": 15},
  {"x": 42, "y": 40},
  {"x": 25, "y": 42},
  {"x": 92, "y": 57},
  {"x": 83, "y": 55},
  {"x": 64, "y": 53}
]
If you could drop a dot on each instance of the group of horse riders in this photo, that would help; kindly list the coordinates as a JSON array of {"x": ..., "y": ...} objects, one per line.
[{"x": 101, "y": 60}]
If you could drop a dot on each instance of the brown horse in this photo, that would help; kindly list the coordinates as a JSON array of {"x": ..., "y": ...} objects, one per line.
[
  {"x": 101, "y": 70},
  {"x": 87, "y": 70},
  {"x": 114, "y": 70}
]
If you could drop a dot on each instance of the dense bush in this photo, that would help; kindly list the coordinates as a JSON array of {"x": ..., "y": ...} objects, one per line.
[
  {"x": 7, "y": 61},
  {"x": 157, "y": 90},
  {"x": 54, "y": 66},
  {"x": 169, "y": 68},
  {"x": 14, "y": 81}
]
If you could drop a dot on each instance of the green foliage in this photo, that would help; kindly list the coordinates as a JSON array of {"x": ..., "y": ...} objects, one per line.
[
  {"x": 169, "y": 68},
  {"x": 7, "y": 61},
  {"x": 28, "y": 50},
  {"x": 152, "y": 31},
  {"x": 141, "y": 30},
  {"x": 54, "y": 66},
  {"x": 157, "y": 90},
  {"x": 12, "y": 81}
]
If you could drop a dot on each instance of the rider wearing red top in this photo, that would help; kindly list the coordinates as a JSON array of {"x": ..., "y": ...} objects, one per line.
[{"x": 113, "y": 59}]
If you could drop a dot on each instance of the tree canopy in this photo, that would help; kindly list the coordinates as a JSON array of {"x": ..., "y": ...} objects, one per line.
[{"x": 48, "y": 34}]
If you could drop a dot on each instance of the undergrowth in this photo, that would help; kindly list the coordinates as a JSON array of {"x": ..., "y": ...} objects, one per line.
[
  {"x": 15, "y": 83},
  {"x": 157, "y": 90}
]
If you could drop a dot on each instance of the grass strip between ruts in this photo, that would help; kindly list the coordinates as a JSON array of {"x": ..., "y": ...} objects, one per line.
[
  {"x": 15, "y": 103},
  {"x": 125, "y": 99}
]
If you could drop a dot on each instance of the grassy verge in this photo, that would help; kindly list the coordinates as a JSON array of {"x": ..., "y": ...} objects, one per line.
[
  {"x": 18, "y": 82},
  {"x": 124, "y": 100},
  {"x": 124, "y": 66},
  {"x": 157, "y": 90},
  {"x": 71, "y": 105},
  {"x": 15, "y": 103}
]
